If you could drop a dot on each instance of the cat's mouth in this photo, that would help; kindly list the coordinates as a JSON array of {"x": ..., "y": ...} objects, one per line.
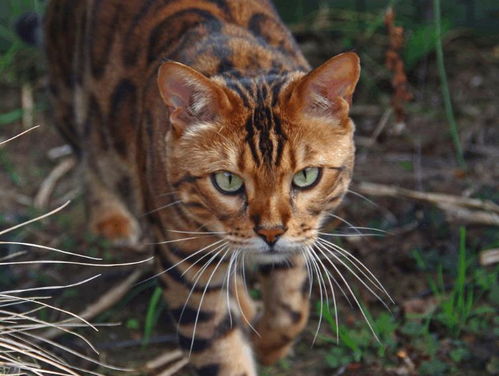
[{"x": 283, "y": 249}]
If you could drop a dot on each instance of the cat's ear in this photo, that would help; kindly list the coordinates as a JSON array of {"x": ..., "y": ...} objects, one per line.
[
  {"x": 191, "y": 97},
  {"x": 327, "y": 90}
]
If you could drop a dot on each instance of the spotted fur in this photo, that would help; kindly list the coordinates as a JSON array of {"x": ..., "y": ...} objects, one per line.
[{"x": 158, "y": 96}]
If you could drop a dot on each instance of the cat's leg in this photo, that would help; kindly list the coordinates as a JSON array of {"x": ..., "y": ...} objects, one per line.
[
  {"x": 210, "y": 327},
  {"x": 286, "y": 308}
]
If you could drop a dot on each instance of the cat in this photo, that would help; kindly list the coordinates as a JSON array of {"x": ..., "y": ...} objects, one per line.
[{"x": 200, "y": 125}]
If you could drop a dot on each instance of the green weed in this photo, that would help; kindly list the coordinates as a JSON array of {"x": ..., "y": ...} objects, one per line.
[
  {"x": 358, "y": 344},
  {"x": 154, "y": 310}
]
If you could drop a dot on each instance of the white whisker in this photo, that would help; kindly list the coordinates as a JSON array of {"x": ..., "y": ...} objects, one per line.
[
  {"x": 199, "y": 232},
  {"x": 176, "y": 240},
  {"x": 199, "y": 273},
  {"x": 162, "y": 207},
  {"x": 343, "y": 235},
  {"x": 319, "y": 281},
  {"x": 239, "y": 302},
  {"x": 356, "y": 262},
  {"x": 181, "y": 261},
  {"x": 363, "y": 197},
  {"x": 329, "y": 276},
  {"x": 335, "y": 256},
  {"x": 202, "y": 299},
  {"x": 319, "y": 248}
]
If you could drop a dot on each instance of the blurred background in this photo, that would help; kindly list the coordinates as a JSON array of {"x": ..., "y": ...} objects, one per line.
[{"x": 424, "y": 201}]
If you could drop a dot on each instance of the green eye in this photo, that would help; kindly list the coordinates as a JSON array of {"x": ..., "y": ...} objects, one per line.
[
  {"x": 227, "y": 182},
  {"x": 307, "y": 177}
]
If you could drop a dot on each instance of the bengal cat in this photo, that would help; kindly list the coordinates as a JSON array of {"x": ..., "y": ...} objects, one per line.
[{"x": 199, "y": 124}]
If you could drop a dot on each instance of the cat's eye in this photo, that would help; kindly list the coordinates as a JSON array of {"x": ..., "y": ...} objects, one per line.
[
  {"x": 227, "y": 182},
  {"x": 307, "y": 178}
]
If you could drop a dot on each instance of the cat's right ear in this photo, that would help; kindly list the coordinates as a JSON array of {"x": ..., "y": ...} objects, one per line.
[{"x": 191, "y": 97}]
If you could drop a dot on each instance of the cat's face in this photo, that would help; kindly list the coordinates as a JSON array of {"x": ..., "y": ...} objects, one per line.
[{"x": 264, "y": 163}]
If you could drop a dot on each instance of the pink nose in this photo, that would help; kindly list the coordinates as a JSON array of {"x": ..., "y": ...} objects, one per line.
[{"x": 270, "y": 234}]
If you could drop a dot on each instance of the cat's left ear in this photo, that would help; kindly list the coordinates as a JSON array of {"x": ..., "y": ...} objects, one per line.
[
  {"x": 327, "y": 90},
  {"x": 191, "y": 97}
]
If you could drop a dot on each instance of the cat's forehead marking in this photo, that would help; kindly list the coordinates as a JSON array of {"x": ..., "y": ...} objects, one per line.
[{"x": 265, "y": 135}]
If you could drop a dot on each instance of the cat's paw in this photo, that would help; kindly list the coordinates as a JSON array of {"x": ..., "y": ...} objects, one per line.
[
  {"x": 270, "y": 355},
  {"x": 119, "y": 228}
]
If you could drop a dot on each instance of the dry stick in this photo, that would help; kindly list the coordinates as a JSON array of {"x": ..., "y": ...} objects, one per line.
[
  {"x": 489, "y": 257},
  {"x": 106, "y": 301},
  {"x": 28, "y": 105},
  {"x": 48, "y": 185},
  {"x": 482, "y": 211}
]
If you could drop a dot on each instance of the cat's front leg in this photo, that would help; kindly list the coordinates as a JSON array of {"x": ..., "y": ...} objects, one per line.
[
  {"x": 286, "y": 308},
  {"x": 209, "y": 323}
]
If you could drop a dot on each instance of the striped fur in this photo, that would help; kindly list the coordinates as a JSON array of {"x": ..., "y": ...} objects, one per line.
[{"x": 232, "y": 94}]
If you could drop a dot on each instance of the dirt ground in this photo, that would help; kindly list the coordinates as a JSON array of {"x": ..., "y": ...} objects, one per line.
[{"x": 417, "y": 155}]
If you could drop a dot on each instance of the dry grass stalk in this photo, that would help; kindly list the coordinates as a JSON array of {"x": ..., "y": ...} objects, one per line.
[{"x": 48, "y": 185}]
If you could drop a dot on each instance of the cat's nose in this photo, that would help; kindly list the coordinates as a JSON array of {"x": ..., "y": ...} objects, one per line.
[{"x": 270, "y": 234}]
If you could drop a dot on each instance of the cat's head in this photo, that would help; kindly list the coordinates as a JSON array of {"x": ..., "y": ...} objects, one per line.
[{"x": 262, "y": 160}]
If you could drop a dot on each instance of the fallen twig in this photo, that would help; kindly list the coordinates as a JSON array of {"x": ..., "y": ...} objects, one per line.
[
  {"x": 470, "y": 210},
  {"x": 48, "y": 185},
  {"x": 489, "y": 257}
]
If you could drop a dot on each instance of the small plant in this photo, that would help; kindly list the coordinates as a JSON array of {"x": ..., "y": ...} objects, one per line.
[
  {"x": 154, "y": 309},
  {"x": 358, "y": 344}
]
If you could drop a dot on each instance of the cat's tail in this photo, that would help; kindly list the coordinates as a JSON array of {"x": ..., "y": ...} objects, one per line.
[{"x": 29, "y": 28}]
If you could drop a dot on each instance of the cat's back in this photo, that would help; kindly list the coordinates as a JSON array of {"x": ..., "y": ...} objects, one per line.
[{"x": 128, "y": 37}]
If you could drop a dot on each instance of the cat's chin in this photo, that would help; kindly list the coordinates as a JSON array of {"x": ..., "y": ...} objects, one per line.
[{"x": 265, "y": 257}]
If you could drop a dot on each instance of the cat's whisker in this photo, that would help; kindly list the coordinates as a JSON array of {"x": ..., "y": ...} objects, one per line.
[
  {"x": 363, "y": 197},
  {"x": 199, "y": 273},
  {"x": 349, "y": 224},
  {"x": 199, "y": 232},
  {"x": 182, "y": 260},
  {"x": 227, "y": 287},
  {"x": 343, "y": 235},
  {"x": 371, "y": 229},
  {"x": 319, "y": 248},
  {"x": 353, "y": 227},
  {"x": 202, "y": 299},
  {"x": 168, "y": 193},
  {"x": 335, "y": 256},
  {"x": 335, "y": 307},
  {"x": 309, "y": 273},
  {"x": 176, "y": 240},
  {"x": 202, "y": 257},
  {"x": 243, "y": 315},
  {"x": 162, "y": 207},
  {"x": 320, "y": 282},
  {"x": 360, "y": 265}
]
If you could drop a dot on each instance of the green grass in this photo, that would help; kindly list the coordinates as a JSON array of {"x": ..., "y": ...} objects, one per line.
[
  {"x": 465, "y": 305},
  {"x": 154, "y": 310},
  {"x": 449, "y": 111}
]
